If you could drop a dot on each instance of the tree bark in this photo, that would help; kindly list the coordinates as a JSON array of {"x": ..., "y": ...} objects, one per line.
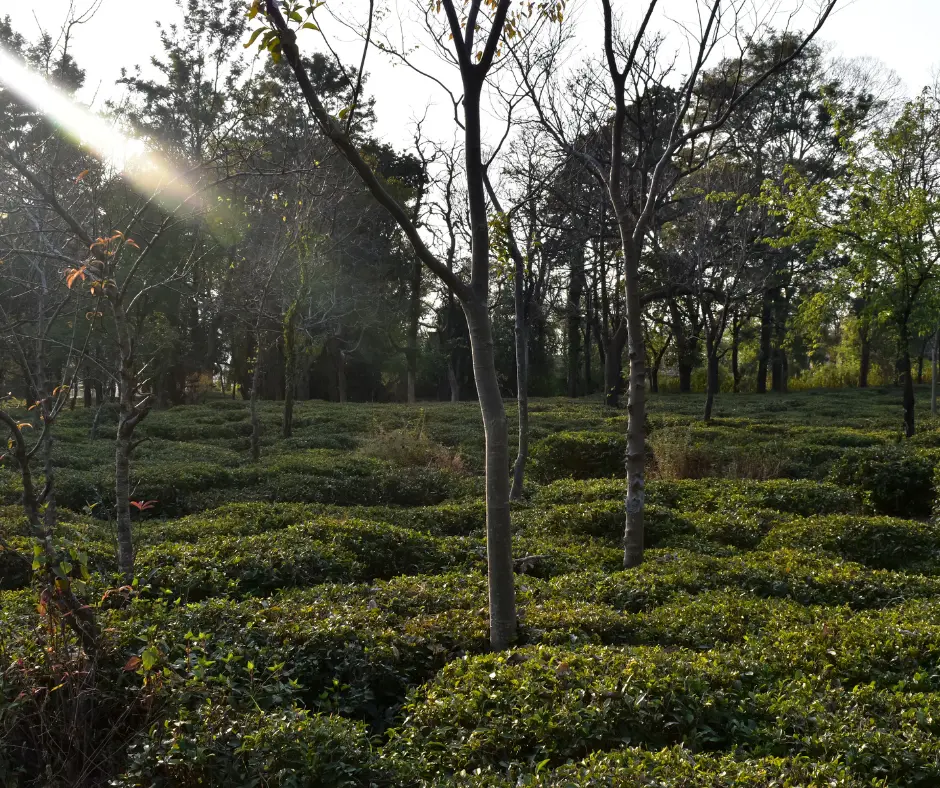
[
  {"x": 573, "y": 319},
  {"x": 453, "y": 379},
  {"x": 613, "y": 365},
  {"x": 253, "y": 400},
  {"x": 766, "y": 334},
  {"x": 907, "y": 381},
  {"x": 414, "y": 320},
  {"x": 735, "y": 350},
  {"x": 933, "y": 373},
  {"x": 864, "y": 339},
  {"x": 711, "y": 378},
  {"x": 502, "y": 592},
  {"x": 685, "y": 348},
  {"x": 633, "y": 540},
  {"x": 290, "y": 369},
  {"x": 122, "y": 493},
  {"x": 522, "y": 377}
]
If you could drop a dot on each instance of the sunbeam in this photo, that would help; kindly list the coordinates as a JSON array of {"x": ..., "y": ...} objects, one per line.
[{"x": 150, "y": 173}]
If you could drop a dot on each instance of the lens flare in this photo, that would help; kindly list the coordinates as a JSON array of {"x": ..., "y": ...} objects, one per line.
[{"x": 150, "y": 173}]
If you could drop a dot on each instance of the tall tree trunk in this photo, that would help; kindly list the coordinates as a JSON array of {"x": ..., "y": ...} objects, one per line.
[
  {"x": 573, "y": 318},
  {"x": 613, "y": 365},
  {"x": 711, "y": 376},
  {"x": 920, "y": 360},
  {"x": 735, "y": 350},
  {"x": 341, "y": 383},
  {"x": 780, "y": 366},
  {"x": 414, "y": 321},
  {"x": 766, "y": 335},
  {"x": 633, "y": 538},
  {"x": 253, "y": 400},
  {"x": 130, "y": 415},
  {"x": 522, "y": 378},
  {"x": 290, "y": 369},
  {"x": 685, "y": 348},
  {"x": 502, "y": 592},
  {"x": 453, "y": 376},
  {"x": 864, "y": 338},
  {"x": 588, "y": 383},
  {"x": 122, "y": 493},
  {"x": 907, "y": 381},
  {"x": 933, "y": 373}
]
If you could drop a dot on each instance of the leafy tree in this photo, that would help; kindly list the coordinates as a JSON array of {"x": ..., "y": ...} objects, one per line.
[{"x": 880, "y": 219}]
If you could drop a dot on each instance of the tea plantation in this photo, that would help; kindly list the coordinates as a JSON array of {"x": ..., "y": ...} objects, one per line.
[{"x": 319, "y": 618}]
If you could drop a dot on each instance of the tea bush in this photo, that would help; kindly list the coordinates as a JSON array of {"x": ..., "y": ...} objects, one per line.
[
  {"x": 896, "y": 480},
  {"x": 319, "y": 617},
  {"x": 578, "y": 455},
  {"x": 879, "y": 542},
  {"x": 280, "y": 749},
  {"x": 548, "y": 705}
]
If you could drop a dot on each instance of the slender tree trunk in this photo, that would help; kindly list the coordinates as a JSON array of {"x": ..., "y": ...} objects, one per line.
[
  {"x": 290, "y": 369},
  {"x": 253, "y": 400},
  {"x": 920, "y": 361},
  {"x": 453, "y": 379},
  {"x": 522, "y": 379},
  {"x": 633, "y": 540},
  {"x": 613, "y": 365},
  {"x": 414, "y": 321},
  {"x": 711, "y": 377},
  {"x": 502, "y": 592},
  {"x": 588, "y": 383},
  {"x": 766, "y": 334},
  {"x": 780, "y": 367},
  {"x": 341, "y": 384},
  {"x": 907, "y": 381},
  {"x": 933, "y": 374},
  {"x": 864, "y": 339},
  {"x": 122, "y": 493},
  {"x": 735, "y": 350},
  {"x": 685, "y": 350},
  {"x": 573, "y": 318}
]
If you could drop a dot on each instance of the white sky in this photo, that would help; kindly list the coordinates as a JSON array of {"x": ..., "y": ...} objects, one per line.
[{"x": 901, "y": 33}]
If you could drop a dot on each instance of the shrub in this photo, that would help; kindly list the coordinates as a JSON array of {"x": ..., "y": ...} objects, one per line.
[
  {"x": 281, "y": 748},
  {"x": 601, "y": 519},
  {"x": 545, "y": 704},
  {"x": 411, "y": 447},
  {"x": 879, "y": 542},
  {"x": 805, "y": 578},
  {"x": 317, "y": 551},
  {"x": 678, "y": 767},
  {"x": 744, "y": 528},
  {"x": 800, "y": 497},
  {"x": 691, "y": 453},
  {"x": 577, "y": 455},
  {"x": 896, "y": 480}
]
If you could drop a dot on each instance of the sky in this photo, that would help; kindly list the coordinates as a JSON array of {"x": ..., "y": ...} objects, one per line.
[{"x": 900, "y": 33}]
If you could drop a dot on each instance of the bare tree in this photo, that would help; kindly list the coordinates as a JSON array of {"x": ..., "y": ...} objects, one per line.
[
  {"x": 474, "y": 60},
  {"x": 662, "y": 129}
]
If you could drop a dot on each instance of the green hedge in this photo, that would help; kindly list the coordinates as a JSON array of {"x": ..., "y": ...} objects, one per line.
[
  {"x": 801, "y": 497},
  {"x": 547, "y": 705},
  {"x": 577, "y": 455},
  {"x": 678, "y": 767},
  {"x": 805, "y": 578},
  {"x": 317, "y": 551},
  {"x": 879, "y": 542},
  {"x": 284, "y": 748},
  {"x": 896, "y": 480}
]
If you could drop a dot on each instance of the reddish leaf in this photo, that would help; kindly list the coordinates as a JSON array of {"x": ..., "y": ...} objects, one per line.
[{"x": 132, "y": 664}]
